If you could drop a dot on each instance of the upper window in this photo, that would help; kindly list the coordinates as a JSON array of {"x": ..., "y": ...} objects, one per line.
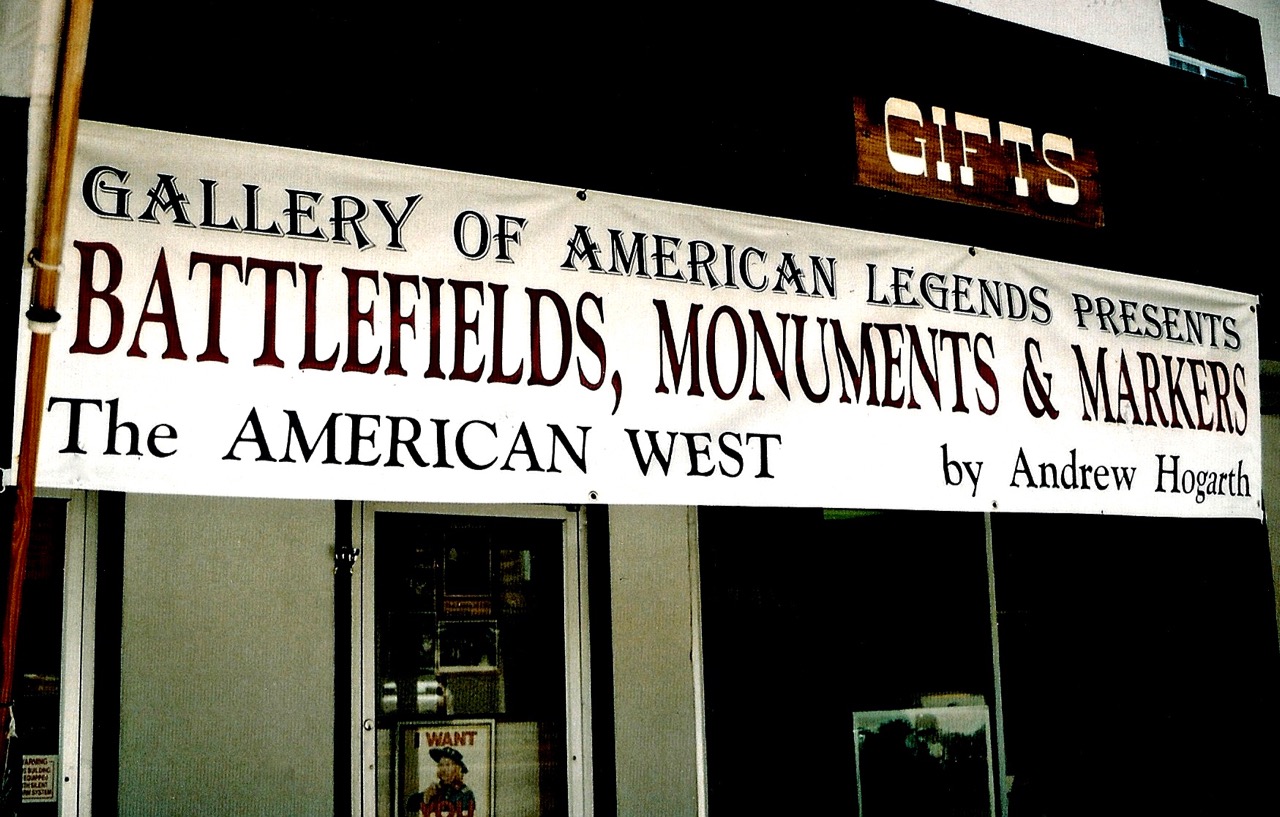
[{"x": 1214, "y": 42}]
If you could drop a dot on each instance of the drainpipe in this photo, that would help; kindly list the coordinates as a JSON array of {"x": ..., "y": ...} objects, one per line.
[{"x": 42, "y": 316}]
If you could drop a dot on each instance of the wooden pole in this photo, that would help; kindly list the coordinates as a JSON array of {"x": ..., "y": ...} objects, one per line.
[{"x": 46, "y": 260}]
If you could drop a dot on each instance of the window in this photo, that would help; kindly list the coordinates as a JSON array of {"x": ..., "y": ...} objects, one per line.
[
  {"x": 1208, "y": 71},
  {"x": 1140, "y": 650},
  {"x": 1214, "y": 42},
  {"x": 474, "y": 679},
  {"x": 846, "y": 646},
  {"x": 876, "y": 663}
]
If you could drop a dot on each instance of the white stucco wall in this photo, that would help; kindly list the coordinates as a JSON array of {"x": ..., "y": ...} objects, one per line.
[
  {"x": 1133, "y": 27},
  {"x": 226, "y": 664},
  {"x": 656, "y": 662}
]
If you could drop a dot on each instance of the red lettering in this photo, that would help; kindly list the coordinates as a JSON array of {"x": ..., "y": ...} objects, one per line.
[
  {"x": 499, "y": 314},
  {"x": 166, "y": 317},
  {"x": 213, "y": 345},
  {"x": 311, "y": 274},
  {"x": 88, "y": 294},
  {"x": 536, "y": 297},
  {"x": 270, "y": 275},
  {"x": 462, "y": 326},
  {"x": 357, "y": 316}
]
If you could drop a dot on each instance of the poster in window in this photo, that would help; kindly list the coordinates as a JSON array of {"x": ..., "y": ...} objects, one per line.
[
  {"x": 934, "y": 761},
  {"x": 446, "y": 769}
]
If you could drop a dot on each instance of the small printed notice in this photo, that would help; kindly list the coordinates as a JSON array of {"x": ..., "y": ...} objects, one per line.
[{"x": 39, "y": 779}]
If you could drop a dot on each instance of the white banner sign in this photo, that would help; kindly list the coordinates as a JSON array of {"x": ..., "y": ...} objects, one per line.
[{"x": 253, "y": 321}]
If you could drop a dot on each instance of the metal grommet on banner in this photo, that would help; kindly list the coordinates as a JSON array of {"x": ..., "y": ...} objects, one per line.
[{"x": 42, "y": 320}]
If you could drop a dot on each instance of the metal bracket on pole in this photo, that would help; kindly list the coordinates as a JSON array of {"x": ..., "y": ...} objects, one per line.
[
  {"x": 42, "y": 320},
  {"x": 345, "y": 558}
]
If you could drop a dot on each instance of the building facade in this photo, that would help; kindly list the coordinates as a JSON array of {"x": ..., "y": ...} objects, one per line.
[{"x": 405, "y": 578}]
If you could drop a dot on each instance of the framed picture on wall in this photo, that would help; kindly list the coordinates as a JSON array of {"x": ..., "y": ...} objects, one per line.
[
  {"x": 468, "y": 645},
  {"x": 445, "y": 768}
]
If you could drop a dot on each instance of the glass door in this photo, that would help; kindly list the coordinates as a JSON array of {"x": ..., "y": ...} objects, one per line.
[
  {"x": 54, "y": 662},
  {"x": 472, "y": 662}
]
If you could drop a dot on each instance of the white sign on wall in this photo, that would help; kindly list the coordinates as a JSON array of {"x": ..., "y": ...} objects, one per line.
[
  {"x": 40, "y": 779},
  {"x": 253, "y": 321}
]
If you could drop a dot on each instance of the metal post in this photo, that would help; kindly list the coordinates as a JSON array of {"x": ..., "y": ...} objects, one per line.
[
  {"x": 42, "y": 317},
  {"x": 995, "y": 666}
]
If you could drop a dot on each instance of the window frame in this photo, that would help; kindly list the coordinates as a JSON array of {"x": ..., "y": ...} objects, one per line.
[
  {"x": 1204, "y": 69},
  {"x": 1216, "y": 42}
]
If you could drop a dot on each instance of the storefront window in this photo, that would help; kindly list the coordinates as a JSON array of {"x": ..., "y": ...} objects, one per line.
[
  {"x": 471, "y": 682},
  {"x": 1131, "y": 666},
  {"x": 832, "y": 640},
  {"x": 1138, "y": 663}
]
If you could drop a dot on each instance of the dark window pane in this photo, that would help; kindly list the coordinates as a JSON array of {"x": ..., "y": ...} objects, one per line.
[
  {"x": 1141, "y": 651},
  {"x": 810, "y": 617}
]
